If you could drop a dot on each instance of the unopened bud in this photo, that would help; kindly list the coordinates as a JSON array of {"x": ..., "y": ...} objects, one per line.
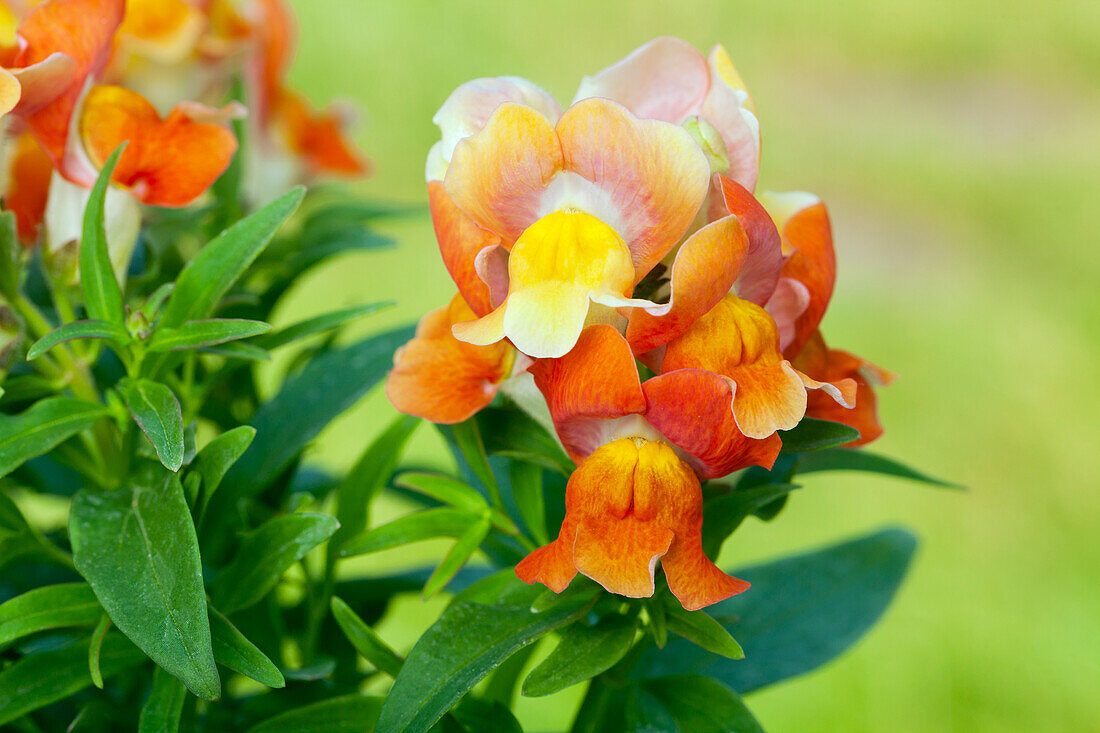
[{"x": 710, "y": 141}]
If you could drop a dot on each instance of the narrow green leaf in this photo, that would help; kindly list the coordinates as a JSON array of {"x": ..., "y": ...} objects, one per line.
[
  {"x": 800, "y": 612},
  {"x": 102, "y": 295},
  {"x": 365, "y": 640},
  {"x": 220, "y": 263},
  {"x": 347, "y": 714},
  {"x": 701, "y": 629},
  {"x": 217, "y": 456},
  {"x": 515, "y": 434},
  {"x": 11, "y": 257},
  {"x": 233, "y": 650},
  {"x": 153, "y": 303},
  {"x": 91, "y": 329},
  {"x": 49, "y": 607},
  {"x": 702, "y": 705},
  {"x": 527, "y": 492},
  {"x": 367, "y": 477},
  {"x": 157, "y": 411},
  {"x": 722, "y": 515},
  {"x": 812, "y": 434},
  {"x": 319, "y": 324},
  {"x": 43, "y": 678},
  {"x": 43, "y": 427},
  {"x": 137, "y": 548},
  {"x": 238, "y": 350},
  {"x": 207, "y": 332},
  {"x": 162, "y": 710},
  {"x": 467, "y": 642},
  {"x": 658, "y": 622},
  {"x": 444, "y": 489},
  {"x": 846, "y": 459},
  {"x": 579, "y": 588},
  {"x": 582, "y": 653},
  {"x": 265, "y": 554},
  {"x": 426, "y": 525},
  {"x": 95, "y": 646},
  {"x": 467, "y": 436},
  {"x": 453, "y": 561}
]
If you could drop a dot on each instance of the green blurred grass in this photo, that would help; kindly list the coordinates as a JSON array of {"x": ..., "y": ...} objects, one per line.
[{"x": 957, "y": 146}]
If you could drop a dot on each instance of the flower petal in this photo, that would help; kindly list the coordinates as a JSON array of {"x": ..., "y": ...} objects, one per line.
[
  {"x": 28, "y": 186},
  {"x": 704, "y": 270},
  {"x": 621, "y": 554},
  {"x": 807, "y": 235},
  {"x": 498, "y": 175},
  {"x": 729, "y": 108},
  {"x": 764, "y": 261},
  {"x": 460, "y": 242},
  {"x": 168, "y": 162},
  {"x": 43, "y": 82},
  {"x": 9, "y": 91},
  {"x": 665, "y": 79},
  {"x": 164, "y": 31},
  {"x": 318, "y": 137},
  {"x": 442, "y": 379},
  {"x": 654, "y": 173},
  {"x": 81, "y": 29},
  {"x": 691, "y": 407},
  {"x": 787, "y": 303}
]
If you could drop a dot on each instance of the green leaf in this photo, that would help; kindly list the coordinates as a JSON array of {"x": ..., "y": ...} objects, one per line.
[
  {"x": 365, "y": 640},
  {"x": 485, "y": 716},
  {"x": 458, "y": 555},
  {"x": 157, "y": 411},
  {"x": 137, "y": 548},
  {"x": 17, "y": 537},
  {"x": 467, "y": 642},
  {"x": 207, "y": 332},
  {"x": 846, "y": 459},
  {"x": 91, "y": 329},
  {"x": 347, "y": 714},
  {"x": 49, "y": 607},
  {"x": 426, "y": 525},
  {"x": 11, "y": 257},
  {"x": 702, "y": 705},
  {"x": 43, "y": 427},
  {"x": 307, "y": 402},
  {"x": 95, "y": 646},
  {"x": 233, "y": 650},
  {"x": 362, "y": 483},
  {"x": 812, "y": 434},
  {"x": 319, "y": 324},
  {"x": 220, "y": 263},
  {"x": 217, "y": 456},
  {"x": 467, "y": 437},
  {"x": 701, "y": 629},
  {"x": 801, "y": 612},
  {"x": 444, "y": 489},
  {"x": 514, "y": 434},
  {"x": 238, "y": 350},
  {"x": 161, "y": 712},
  {"x": 526, "y": 479},
  {"x": 723, "y": 514},
  {"x": 43, "y": 678},
  {"x": 264, "y": 555},
  {"x": 102, "y": 295},
  {"x": 153, "y": 303},
  {"x": 582, "y": 653}
]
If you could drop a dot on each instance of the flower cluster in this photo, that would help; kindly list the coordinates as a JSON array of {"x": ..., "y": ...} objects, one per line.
[
  {"x": 81, "y": 77},
  {"x": 618, "y": 238}
]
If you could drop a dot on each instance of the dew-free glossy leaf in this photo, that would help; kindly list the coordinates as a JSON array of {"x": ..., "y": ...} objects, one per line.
[
  {"x": 162, "y": 710},
  {"x": 102, "y": 295},
  {"x": 233, "y": 650},
  {"x": 90, "y": 329},
  {"x": 467, "y": 642},
  {"x": 220, "y": 263},
  {"x": 425, "y": 525},
  {"x": 467, "y": 436},
  {"x": 42, "y": 427},
  {"x": 846, "y": 459},
  {"x": 137, "y": 548},
  {"x": 702, "y": 705},
  {"x": 319, "y": 324},
  {"x": 444, "y": 489},
  {"x": 157, "y": 411},
  {"x": 347, "y": 714},
  {"x": 11, "y": 256},
  {"x": 217, "y": 456},
  {"x": 582, "y": 653},
  {"x": 365, "y": 640},
  {"x": 700, "y": 628},
  {"x": 457, "y": 556},
  {"x": 526, "y": 479},
  {"x": 722, "y": 515},
  {"x": 265, "y": 554},
  {"x": 49, "y": 607},
  {"x": 812, "y": 434},
  {"x": 514, "y": 434},
  {"x": 800, "y": 612},
  {"x": 205, "y": 332}
]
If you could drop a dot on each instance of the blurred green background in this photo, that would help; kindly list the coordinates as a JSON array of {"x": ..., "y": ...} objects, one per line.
[{"x": 958, "y": 148}]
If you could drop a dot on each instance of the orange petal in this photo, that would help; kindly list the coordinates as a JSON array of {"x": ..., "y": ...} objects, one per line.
[
  {"x": 667, "y": 493},
  {"x": 787, "y": 303},
  {"x": 691, "y": 408},
  {"x": 165, "y": 31},
  {"x": 28, "y": 186},
  {"x": 595, "y": 382},
  {"x": 43, "y": 82},
  {"x": 498, "y": 175},
  {"x": 807, "y": 235},
  {"x": 654, "y": 175},
  {"x": 9, "y": 91},
  {"x": 318, "y": 137},
  {"x": 442, "y": 379},
  {"x": 665, "y": 79},
  {"x": 273, "y": 30},
  {"x": 759, "y": 274},
  {"x": 704, "y": 270},
  {"x": 82, "y": 30},
  {"x": 621, "y": 554},
  {"x": 168, "y": 162},
  {"x": 729, "y": 108},
  {"x": 835, "y": 365},
  {"x": 460, "y": 241}
]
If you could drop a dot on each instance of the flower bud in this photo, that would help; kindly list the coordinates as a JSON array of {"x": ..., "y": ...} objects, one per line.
[{"x": 710, "y": 141}]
